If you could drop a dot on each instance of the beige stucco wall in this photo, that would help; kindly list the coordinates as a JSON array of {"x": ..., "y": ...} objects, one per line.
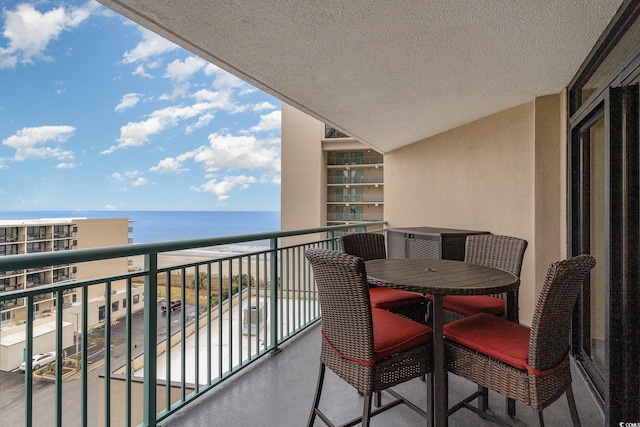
[
  {"x": 502, "y": 173},
  {"x": 94, "y": 233},
  {"x": 303, "y": 196}
]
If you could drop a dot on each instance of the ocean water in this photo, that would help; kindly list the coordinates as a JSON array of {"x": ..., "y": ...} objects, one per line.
[{"x": 161, "y": 226}]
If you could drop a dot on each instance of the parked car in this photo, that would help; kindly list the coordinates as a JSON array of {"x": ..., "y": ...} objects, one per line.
[
  {"x": 174, "y": 304},
  {"x": 39, "y": 360}
]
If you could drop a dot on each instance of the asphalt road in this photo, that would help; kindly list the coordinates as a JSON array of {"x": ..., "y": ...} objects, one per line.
[{"x": 12, "y": 384}]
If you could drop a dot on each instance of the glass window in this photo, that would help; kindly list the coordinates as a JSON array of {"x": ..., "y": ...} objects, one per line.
[
  {"x": 330, "y": 132},
  {"x": 136, "y": 299},
  {"x": 115, "y": 306}
]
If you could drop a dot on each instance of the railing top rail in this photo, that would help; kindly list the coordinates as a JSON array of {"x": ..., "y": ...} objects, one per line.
[{"x": 43, "y": 259}]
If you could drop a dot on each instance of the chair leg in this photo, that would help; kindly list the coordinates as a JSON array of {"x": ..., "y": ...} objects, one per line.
[
  {"x": 572, "y": 407},
  {"x": 483, "y": 398},
  {"x": 316, "y": 399},
  {"x": 540, "y": 419},
  {"x": 366, "y": 412},
  {"x": 378, "y": 402},
  {"x": 511, "y": 407}
]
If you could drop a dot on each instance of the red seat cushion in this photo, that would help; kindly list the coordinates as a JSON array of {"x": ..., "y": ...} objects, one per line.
[
  {"x": 494, "y": 336},
  {"x": 393, "y": 334},
  {"x": 469, "y": 305},
  {"x": 388, "y": 299}
]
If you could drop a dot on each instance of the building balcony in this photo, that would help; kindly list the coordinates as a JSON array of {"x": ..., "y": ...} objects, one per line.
[
  {"x": 30, "y": 283},
  {"x": 63, "y": 277},
  {"x": 9, "y": 304},
  {"x": 258, "y": 346},
  {"x": 354, "y": 217},
  {"x": 365, "y": 160},
  {"x": 39, "y": 236},
  {"x": 11, "y": 273},
  {"x": 11, "y": 250},
  {"x": 6, "y": 238},
  {"x": 343, "y": 180},
  {"x": 361, "y": 199}
]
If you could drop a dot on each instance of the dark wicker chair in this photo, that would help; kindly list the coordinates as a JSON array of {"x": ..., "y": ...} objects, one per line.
[
  {"x": 503, "y": 252},
  {"x": 530, "y": 365},
  {"x": 371, "y": 349},
  {"x": 370, "y": 246}
]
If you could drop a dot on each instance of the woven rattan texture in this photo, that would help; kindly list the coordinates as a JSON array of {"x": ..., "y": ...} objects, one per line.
[
  {"x": 548, "y": 343},
  {"x": 367, "y": 246},
  {"x": 503, "y": 252},
  {"x": 370, "y": 246},
  {"x": 347, "y": 325}
]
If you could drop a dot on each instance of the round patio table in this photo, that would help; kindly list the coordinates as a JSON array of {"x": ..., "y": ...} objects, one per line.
[{"x": 438, "y": 278}]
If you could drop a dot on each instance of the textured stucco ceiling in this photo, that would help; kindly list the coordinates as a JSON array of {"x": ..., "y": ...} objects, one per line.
[{"x": 387, "y": 72}]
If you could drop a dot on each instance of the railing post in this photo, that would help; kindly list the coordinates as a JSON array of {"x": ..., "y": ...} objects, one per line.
[
  {"x": 332, "y": 245},
  {"x": 28, "y": 373},
  {"x": 150, "y": 337},
  {"x": 273, "y": 295}
]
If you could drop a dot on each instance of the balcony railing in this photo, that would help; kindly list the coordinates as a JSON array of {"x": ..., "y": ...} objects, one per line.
[
  {"x": 370, "y": 179},
  {"x": 365, "y": 160},
  {"x": 353, "y": 217},
  {"x": 39, "y": 236},
  {"x": 10, "y": 273},
  {"x": 365, "y": 198},
  {"x": 9, "y": 238},
  {"x": 235, "y": 309}
]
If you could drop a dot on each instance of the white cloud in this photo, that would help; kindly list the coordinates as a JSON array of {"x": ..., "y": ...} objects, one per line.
[
  {"x": 223, "y": 79},
  {"x": 109, "y": 208},
  {"x": 28, "y": 142},
  {"x": 150, "y": 46},
  {"x": 182, "y": 70},
  {"x": 132, "y": 174},
  {"x": 203, "y": 121},
  {"x": 239, "y": 152},
  {"x": 135, "y": 134},
  {"x": 138, "y": 182},
  {"x": 263, "y": 106},
  {"x": 168, "y": 165},
  {"x": 129, "y": 100},
  {"x": 224, "y": 187},
  {"x": 66, "y": 165},
  {"x": 140, "y": 71},
  {"x": 116, "y": 176},
  {"x": 30, "y": 31},
  {"x": 271, "y": 121}
]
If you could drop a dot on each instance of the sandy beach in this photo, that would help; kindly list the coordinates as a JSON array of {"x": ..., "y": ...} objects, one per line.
[{"x": 170, "y": 259}]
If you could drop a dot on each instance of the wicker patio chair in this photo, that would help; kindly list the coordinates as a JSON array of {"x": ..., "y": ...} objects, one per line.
[
  {"x": 503, "y": 252},
  {"x": 530, "y": 365},
  {"x": 370, "y": 246},
  {"x": 371, "y": 349}
]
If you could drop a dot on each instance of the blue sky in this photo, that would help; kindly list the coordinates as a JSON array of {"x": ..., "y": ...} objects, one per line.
[{"x": 97, "y": 113}]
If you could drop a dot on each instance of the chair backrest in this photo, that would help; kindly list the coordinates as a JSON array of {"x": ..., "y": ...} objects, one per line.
[
  {"x": 503, "y": 252},
  {"x": 551, "y": 327},
  {"x": 344, "y": 302},
  {"x": 367, "y": 246}
]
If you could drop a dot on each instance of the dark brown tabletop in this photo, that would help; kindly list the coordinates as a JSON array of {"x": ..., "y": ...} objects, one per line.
[
  {"x": 439, "y": 278},
  {"x": 443, "y": 277}
]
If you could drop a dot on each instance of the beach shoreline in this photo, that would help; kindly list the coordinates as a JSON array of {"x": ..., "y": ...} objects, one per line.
[{"x": 177, "y": 258}]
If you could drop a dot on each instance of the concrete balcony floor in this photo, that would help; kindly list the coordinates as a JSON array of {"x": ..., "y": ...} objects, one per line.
[{"x": 278, "y": 391}]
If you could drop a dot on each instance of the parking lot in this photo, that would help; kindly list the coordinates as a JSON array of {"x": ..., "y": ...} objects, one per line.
[{"x": 12, "y": 384}]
